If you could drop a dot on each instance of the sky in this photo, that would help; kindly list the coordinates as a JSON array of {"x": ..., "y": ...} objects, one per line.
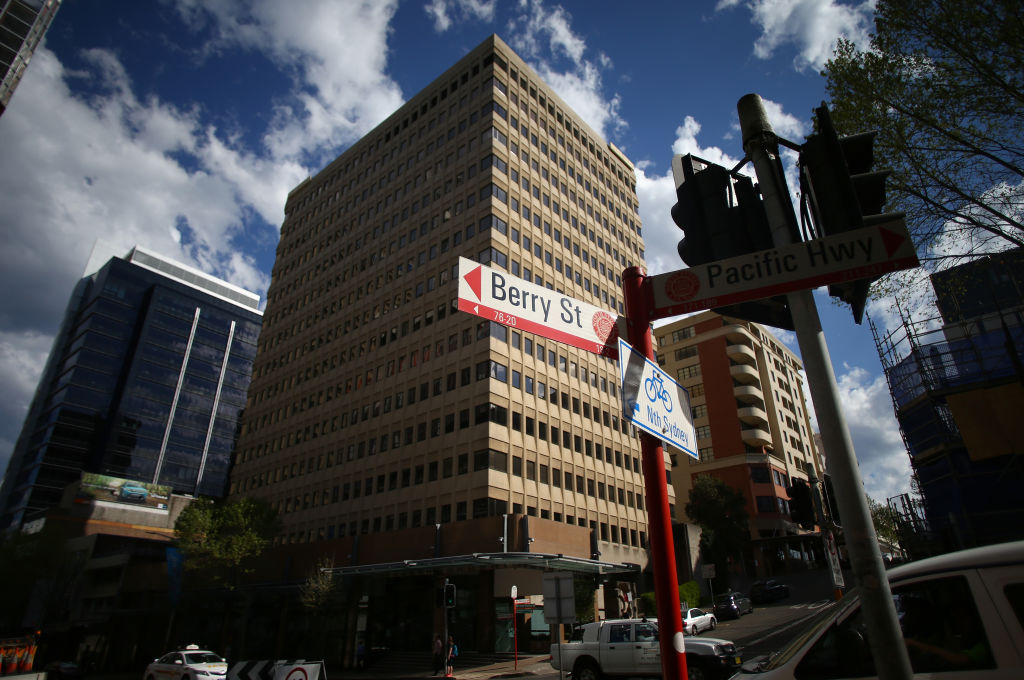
[{"x": 182, "y": 126}]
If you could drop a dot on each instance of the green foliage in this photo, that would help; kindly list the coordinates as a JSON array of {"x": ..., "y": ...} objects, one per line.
[
  {"x": 583, "y": 594},
  {"x": 721, "y": 513},
  {"x": 320, "y": 590},
  {"x": 943, "y": 83},
  {"x": 689, "y": 592},
  {"x": 219, "y": 537},
  {"x": 885, "y": 520}
]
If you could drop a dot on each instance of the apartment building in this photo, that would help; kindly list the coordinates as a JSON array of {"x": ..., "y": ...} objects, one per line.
[
  {"x": 396, "y": 430},
  {"x": 752, "y": 428}
]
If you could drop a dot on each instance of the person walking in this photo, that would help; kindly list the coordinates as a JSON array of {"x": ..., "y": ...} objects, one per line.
[
  {"x": 453, "y": 651},
  {"x": 438, "y": 654}
]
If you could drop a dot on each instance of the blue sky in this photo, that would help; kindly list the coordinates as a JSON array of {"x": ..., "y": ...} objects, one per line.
[{"x": 181, "y": 127}]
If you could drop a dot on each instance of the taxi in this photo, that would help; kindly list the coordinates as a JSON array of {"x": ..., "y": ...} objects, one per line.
[{"x": 190, "y": 663}]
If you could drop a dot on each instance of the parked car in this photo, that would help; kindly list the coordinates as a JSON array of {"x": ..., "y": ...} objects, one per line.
[
  {"x": 732, "y": 605},
  {"x": 960, "y": 614},
  {"x": 190, "y": 663},
  {"x": 768, "y": 590},
  {"x": 696, "y": 620},
  {"x": 630, "y": 647},
  {"x": 134, "y": 492}
]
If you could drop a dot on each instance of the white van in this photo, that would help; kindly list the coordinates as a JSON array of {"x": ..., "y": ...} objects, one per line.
[{"x": 962, "y": 616}]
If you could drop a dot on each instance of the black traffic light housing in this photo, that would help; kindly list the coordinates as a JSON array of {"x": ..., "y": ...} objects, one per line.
[
  {"x": 722, "y": 216},
  {"x": 449, "y": 595},
  {"x": 801, "y": 505},
  {"x": 842, "y": 192},
  {"x": 831, "y": 506}
]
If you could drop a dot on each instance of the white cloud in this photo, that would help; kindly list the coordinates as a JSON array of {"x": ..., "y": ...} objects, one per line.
[
  {"x": 441, "y": 12},
  {"x": 544, "y": 37},
  {"x": 811, "y": 26}
]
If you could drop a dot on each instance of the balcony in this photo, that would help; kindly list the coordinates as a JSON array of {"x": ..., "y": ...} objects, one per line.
[
  {"x": 741, "y": 354},
  {"x": 755, "y": 436},
  {"x": 745, "y": 374},
  {"x": 749, "y": 394},
  {"x": 753, "y": 415}
]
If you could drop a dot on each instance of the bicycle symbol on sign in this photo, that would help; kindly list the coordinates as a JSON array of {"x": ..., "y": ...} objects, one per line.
[{"x": 655, "y": 389}]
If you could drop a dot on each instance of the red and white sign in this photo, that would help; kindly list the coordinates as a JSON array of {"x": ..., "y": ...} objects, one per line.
[
  {"x": 862, "y": 253},
  {"x": 526, "y": 306}
]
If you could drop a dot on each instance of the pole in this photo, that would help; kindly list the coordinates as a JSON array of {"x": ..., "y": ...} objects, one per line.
[
  {"x": 666, "y": 591},
  {"x": 891, "y": 661},
  {"x": 515, "y": 636}
]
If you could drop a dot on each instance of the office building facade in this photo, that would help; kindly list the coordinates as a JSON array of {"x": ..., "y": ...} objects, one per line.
[
  {"x": 752, "y": 428},
  {"x": 22, "y": 25},
  {"x": 377, "y": 410},
  {"x": 146, "y": 381}
]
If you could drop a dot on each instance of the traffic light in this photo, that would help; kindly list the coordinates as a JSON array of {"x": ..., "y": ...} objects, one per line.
[
  {"x": 722, "y": 216},
  {"x": 830, "y": 500},
  {"x": 801, "y": 506},
  {"x": 449, "y": 595},
  {"x": 842, "y": 192}
]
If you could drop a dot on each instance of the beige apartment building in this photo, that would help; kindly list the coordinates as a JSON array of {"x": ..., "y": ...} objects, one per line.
[
  {"x": 419, "y": 443},
  {"x": 752, "y": 429}
]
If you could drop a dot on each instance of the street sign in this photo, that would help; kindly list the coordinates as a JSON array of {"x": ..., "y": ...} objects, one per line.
[
  {"x": 559, "y": 597},
  {"x": 653, "y": 401},
  {"x": 861, "y": 253},
  {"x": 526, "y": 306}
]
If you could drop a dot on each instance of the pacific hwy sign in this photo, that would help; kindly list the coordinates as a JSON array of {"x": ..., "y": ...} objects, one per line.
[{"x": 861, "y": 253}]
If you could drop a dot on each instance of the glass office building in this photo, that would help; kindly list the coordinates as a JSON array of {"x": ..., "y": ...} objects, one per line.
[{"x": 146, "y": 381}]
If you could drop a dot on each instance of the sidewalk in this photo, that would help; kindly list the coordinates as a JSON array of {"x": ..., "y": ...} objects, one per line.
[{"x": 528, "y": 667}]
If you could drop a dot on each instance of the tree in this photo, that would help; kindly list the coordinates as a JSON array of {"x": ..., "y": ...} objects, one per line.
[
  {"x": 721, "y": 513},
  {"x": 943, "y": 83},
  {"x": 885, "y": 520},
  {"x": 219, "y": 537}
]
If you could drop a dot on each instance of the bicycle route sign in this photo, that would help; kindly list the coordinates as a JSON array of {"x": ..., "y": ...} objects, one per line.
[{"x": 653, "y": 401}]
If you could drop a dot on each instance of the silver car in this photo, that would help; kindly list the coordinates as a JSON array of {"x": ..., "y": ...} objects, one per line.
[{"x": 697, "y": 620}]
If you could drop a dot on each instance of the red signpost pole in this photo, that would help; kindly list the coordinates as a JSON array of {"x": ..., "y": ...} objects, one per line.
[{"x": 638, "y": 300}]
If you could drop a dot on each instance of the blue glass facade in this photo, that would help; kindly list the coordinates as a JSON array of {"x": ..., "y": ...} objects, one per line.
[{"x": 147, "y": 381}]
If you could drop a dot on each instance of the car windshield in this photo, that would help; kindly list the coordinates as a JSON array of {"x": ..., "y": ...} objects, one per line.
[
  {"x": 824, "y": 618},
  {"x": 723, "y": 599},
  {"x": 202, "y": 657}
]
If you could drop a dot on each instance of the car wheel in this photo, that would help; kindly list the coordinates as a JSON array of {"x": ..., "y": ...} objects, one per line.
[
  {"x": 713, "y": 624},
  {"x": 586, "y": 670},
  {"x": 695, "y": 670}
]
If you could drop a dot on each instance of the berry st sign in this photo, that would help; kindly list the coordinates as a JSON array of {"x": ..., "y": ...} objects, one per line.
[
  {"x": 848, "y": 256},
  {"x": 654, "y": 402},
  {"x": 511, "y": 301}
]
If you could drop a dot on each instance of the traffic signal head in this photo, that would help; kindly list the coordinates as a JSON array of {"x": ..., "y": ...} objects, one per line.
[
  {"x": 722, "y": 216},
  {"x": 449, "y": 595},
  {"x": 801, "y": 505},
  {"x": 842, "y": 192}
]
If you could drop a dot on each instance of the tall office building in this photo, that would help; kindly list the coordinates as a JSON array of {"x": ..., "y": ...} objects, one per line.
[
  {"x": 752, "y": 428},
  {"x": 376, "y": 406},
  {"x": 146, "y": 381},
  {"x": 22, "y": 25}
]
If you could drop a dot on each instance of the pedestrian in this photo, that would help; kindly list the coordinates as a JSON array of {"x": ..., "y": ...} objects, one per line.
[
  {"x": 361, "y": 654},
  {"x": 438, "y": 654},
  {"x": 453, "y": 651}
]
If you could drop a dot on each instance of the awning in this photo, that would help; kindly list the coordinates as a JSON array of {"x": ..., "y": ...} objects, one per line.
[{"x": 542, "y": 561}]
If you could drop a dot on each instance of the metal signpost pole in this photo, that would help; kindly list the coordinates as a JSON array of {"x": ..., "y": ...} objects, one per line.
[
  {"x": 891, "y": 661},
  {"x": 659, "y": 519}
]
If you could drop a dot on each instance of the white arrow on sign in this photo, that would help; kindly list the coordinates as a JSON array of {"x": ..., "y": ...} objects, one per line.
[
  {"x": 858, "y": 254},
  {"x": 517, "y": 303},
  {"x": 654, "y": 402}
]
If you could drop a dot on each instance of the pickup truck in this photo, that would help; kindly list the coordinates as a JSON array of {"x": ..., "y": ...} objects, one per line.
[{"x": 629, "y": 647}]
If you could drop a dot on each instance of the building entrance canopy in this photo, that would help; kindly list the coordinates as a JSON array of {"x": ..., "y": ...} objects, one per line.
[{"x": 543, "y": 561}]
